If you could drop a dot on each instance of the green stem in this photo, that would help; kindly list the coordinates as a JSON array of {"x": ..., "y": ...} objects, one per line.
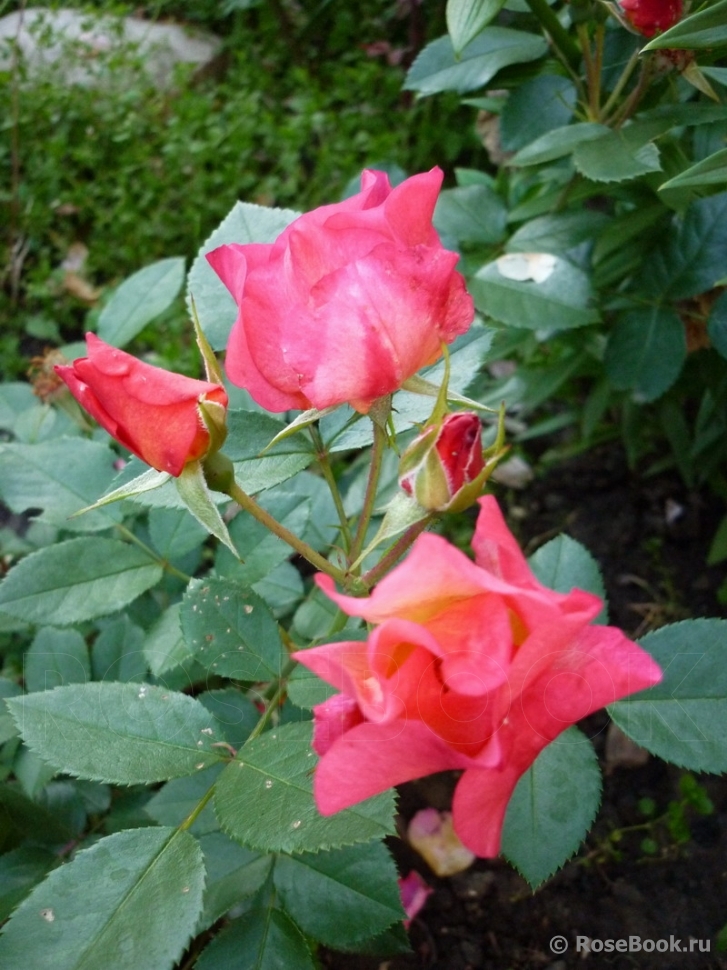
[
  {"x": 562, "y": 41},
  {"x": 327, "y": 472},
  {"x": 632, "y": 102},
  {"x": 197, "y": 810},
  {"x": 273, "y": 699},
  {"x": 377, "y": 456},
  {"x": 396, "y": 552},
  {"x": 621, "y": 83},
  {"x": 302, "y": 548},
  {"x": 167, "y": 566}
]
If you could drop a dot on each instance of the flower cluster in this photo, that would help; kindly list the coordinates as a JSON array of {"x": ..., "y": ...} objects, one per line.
[{"x": 470, "y": 666}]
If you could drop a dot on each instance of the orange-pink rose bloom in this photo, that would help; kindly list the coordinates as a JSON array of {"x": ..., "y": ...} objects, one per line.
[
  {"x": 152, "y": 412},
  {"x": 349, "y": 301},
  {"x": 471, "y": 666}
]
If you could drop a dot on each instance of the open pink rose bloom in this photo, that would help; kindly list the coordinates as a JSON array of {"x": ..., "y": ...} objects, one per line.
[
  {"x": 470, "y": 666},
  {"x": 350, "y": 301}
]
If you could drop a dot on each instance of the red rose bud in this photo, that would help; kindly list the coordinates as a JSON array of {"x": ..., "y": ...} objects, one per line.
[
  {"x": 649, "y": 17},
  {"x": 165, "y": 419},
  {"x": 442, "y": 461}
]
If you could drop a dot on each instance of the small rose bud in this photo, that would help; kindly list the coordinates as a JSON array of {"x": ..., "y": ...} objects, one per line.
[
  {"x": 441, "y": 461},
  {"x": 649, "y": 17}
]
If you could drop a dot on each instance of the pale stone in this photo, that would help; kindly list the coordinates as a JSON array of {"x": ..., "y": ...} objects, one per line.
[{"x": 70, "y": 45}]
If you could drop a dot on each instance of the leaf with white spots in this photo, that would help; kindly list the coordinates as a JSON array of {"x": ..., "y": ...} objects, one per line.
[{"x": 264, "y": 799}]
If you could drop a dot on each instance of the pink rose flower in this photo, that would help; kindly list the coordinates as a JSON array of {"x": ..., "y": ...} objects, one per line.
[
  {"x": 414, "y": 893},
  {"x": 152, "y": 412},
  {"x": 649, "y": 17},
  {"x": 471, "y": 666},
  {"x": 350, "y": 301}
]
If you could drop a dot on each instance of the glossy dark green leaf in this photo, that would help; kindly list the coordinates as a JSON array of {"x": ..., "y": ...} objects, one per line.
[
  {"x": 438, "y": 68},
  {"x": 56, "y": 657},
  {"x": 233, "y": 873},
  {"x": 535, "y": 108},
  {"x": 118, "y": 651},
  {"x": 471, "y": 214},
  {"x": 466, "y": 18},
  {"x": 262, "y": 939}
]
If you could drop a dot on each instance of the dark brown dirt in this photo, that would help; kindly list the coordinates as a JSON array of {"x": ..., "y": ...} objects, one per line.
[{"x": 651, "y": 539}]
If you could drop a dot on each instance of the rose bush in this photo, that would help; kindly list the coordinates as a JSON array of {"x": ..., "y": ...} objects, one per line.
[
  {"x": 649, "y": 17},
  {"x": 154, "y": 413},
  {"x": 471, "y": 666},
  {"x": 349, "y": 301}
]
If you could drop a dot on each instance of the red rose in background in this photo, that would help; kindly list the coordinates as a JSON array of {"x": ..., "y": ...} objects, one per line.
[
  {"x": 152, "y": 412},
  {"x": 649, "y": 17},
  {"x": 349, "y": 301},
  {"x": 471, "y": 666}
]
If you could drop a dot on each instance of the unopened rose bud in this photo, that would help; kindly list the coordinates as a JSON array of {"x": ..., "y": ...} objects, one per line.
[
  {"x": 649, "y": 17},
  {"x": 442, "y": 461}
]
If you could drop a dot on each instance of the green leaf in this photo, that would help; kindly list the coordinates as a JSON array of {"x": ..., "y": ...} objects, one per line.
[
  {"x": 619, "y": 155},
  {"x": 24, "y": 818},
  {"x": 233, "y": 873},
  {"x": 563, "y": 300},
  {"x": 20, "y": 870},
  {"x": 704, "y": 30},
  {"x": 7, "y": 726},
  {"x": 262, "y": 939},
  {"x": 438, "y": 68},
  {"x": 231, "y": 631},
  {"x": 718, "y": 547},
  {"x": 684, "y": 718},
  {"x": 564, "y": 564},
  {"x": 703, "y": 175},
  {"x": 250, "y": 434},
  {"x": 235, "y": 714},
  {"x": 558, "y": 143},
  {"x": 60, "y": 477},
  {"x": 175, "y": 801},
  {"x": 117, "y": 651},
  {"x": 534, "y": 108},
  {"x": 691, "y": 258},
  {"x": 126, "y": 734},
  {"x": 56, "y": 657},
  {"x": 646, "y": 351},
  {"x": 343, "y": 896},
  {"x": 552, "y": 807},
  {"x": 198, "y": 499},
  {"x": 717, "y": 325},
  {"x": 471, "y": 214},
  {"x": 135, "y": 895},
  {"x": 140, "y": 298},
  {"x": 32, "y": 773},
  {"x": 16, "y": 397},
  {"x": 558, "y": 233},
  {"x": 148, "y": 481},
  {"x": 306, "y": 689},
  {"x": 245, "y": 223},
  {"x": 175, "y": 532},
  {"x": 265, "y": 799},
  {"x": 77, "y": 580},
  {"x": 165, "y": 647},
  {"x": 466, "y": 18}
]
